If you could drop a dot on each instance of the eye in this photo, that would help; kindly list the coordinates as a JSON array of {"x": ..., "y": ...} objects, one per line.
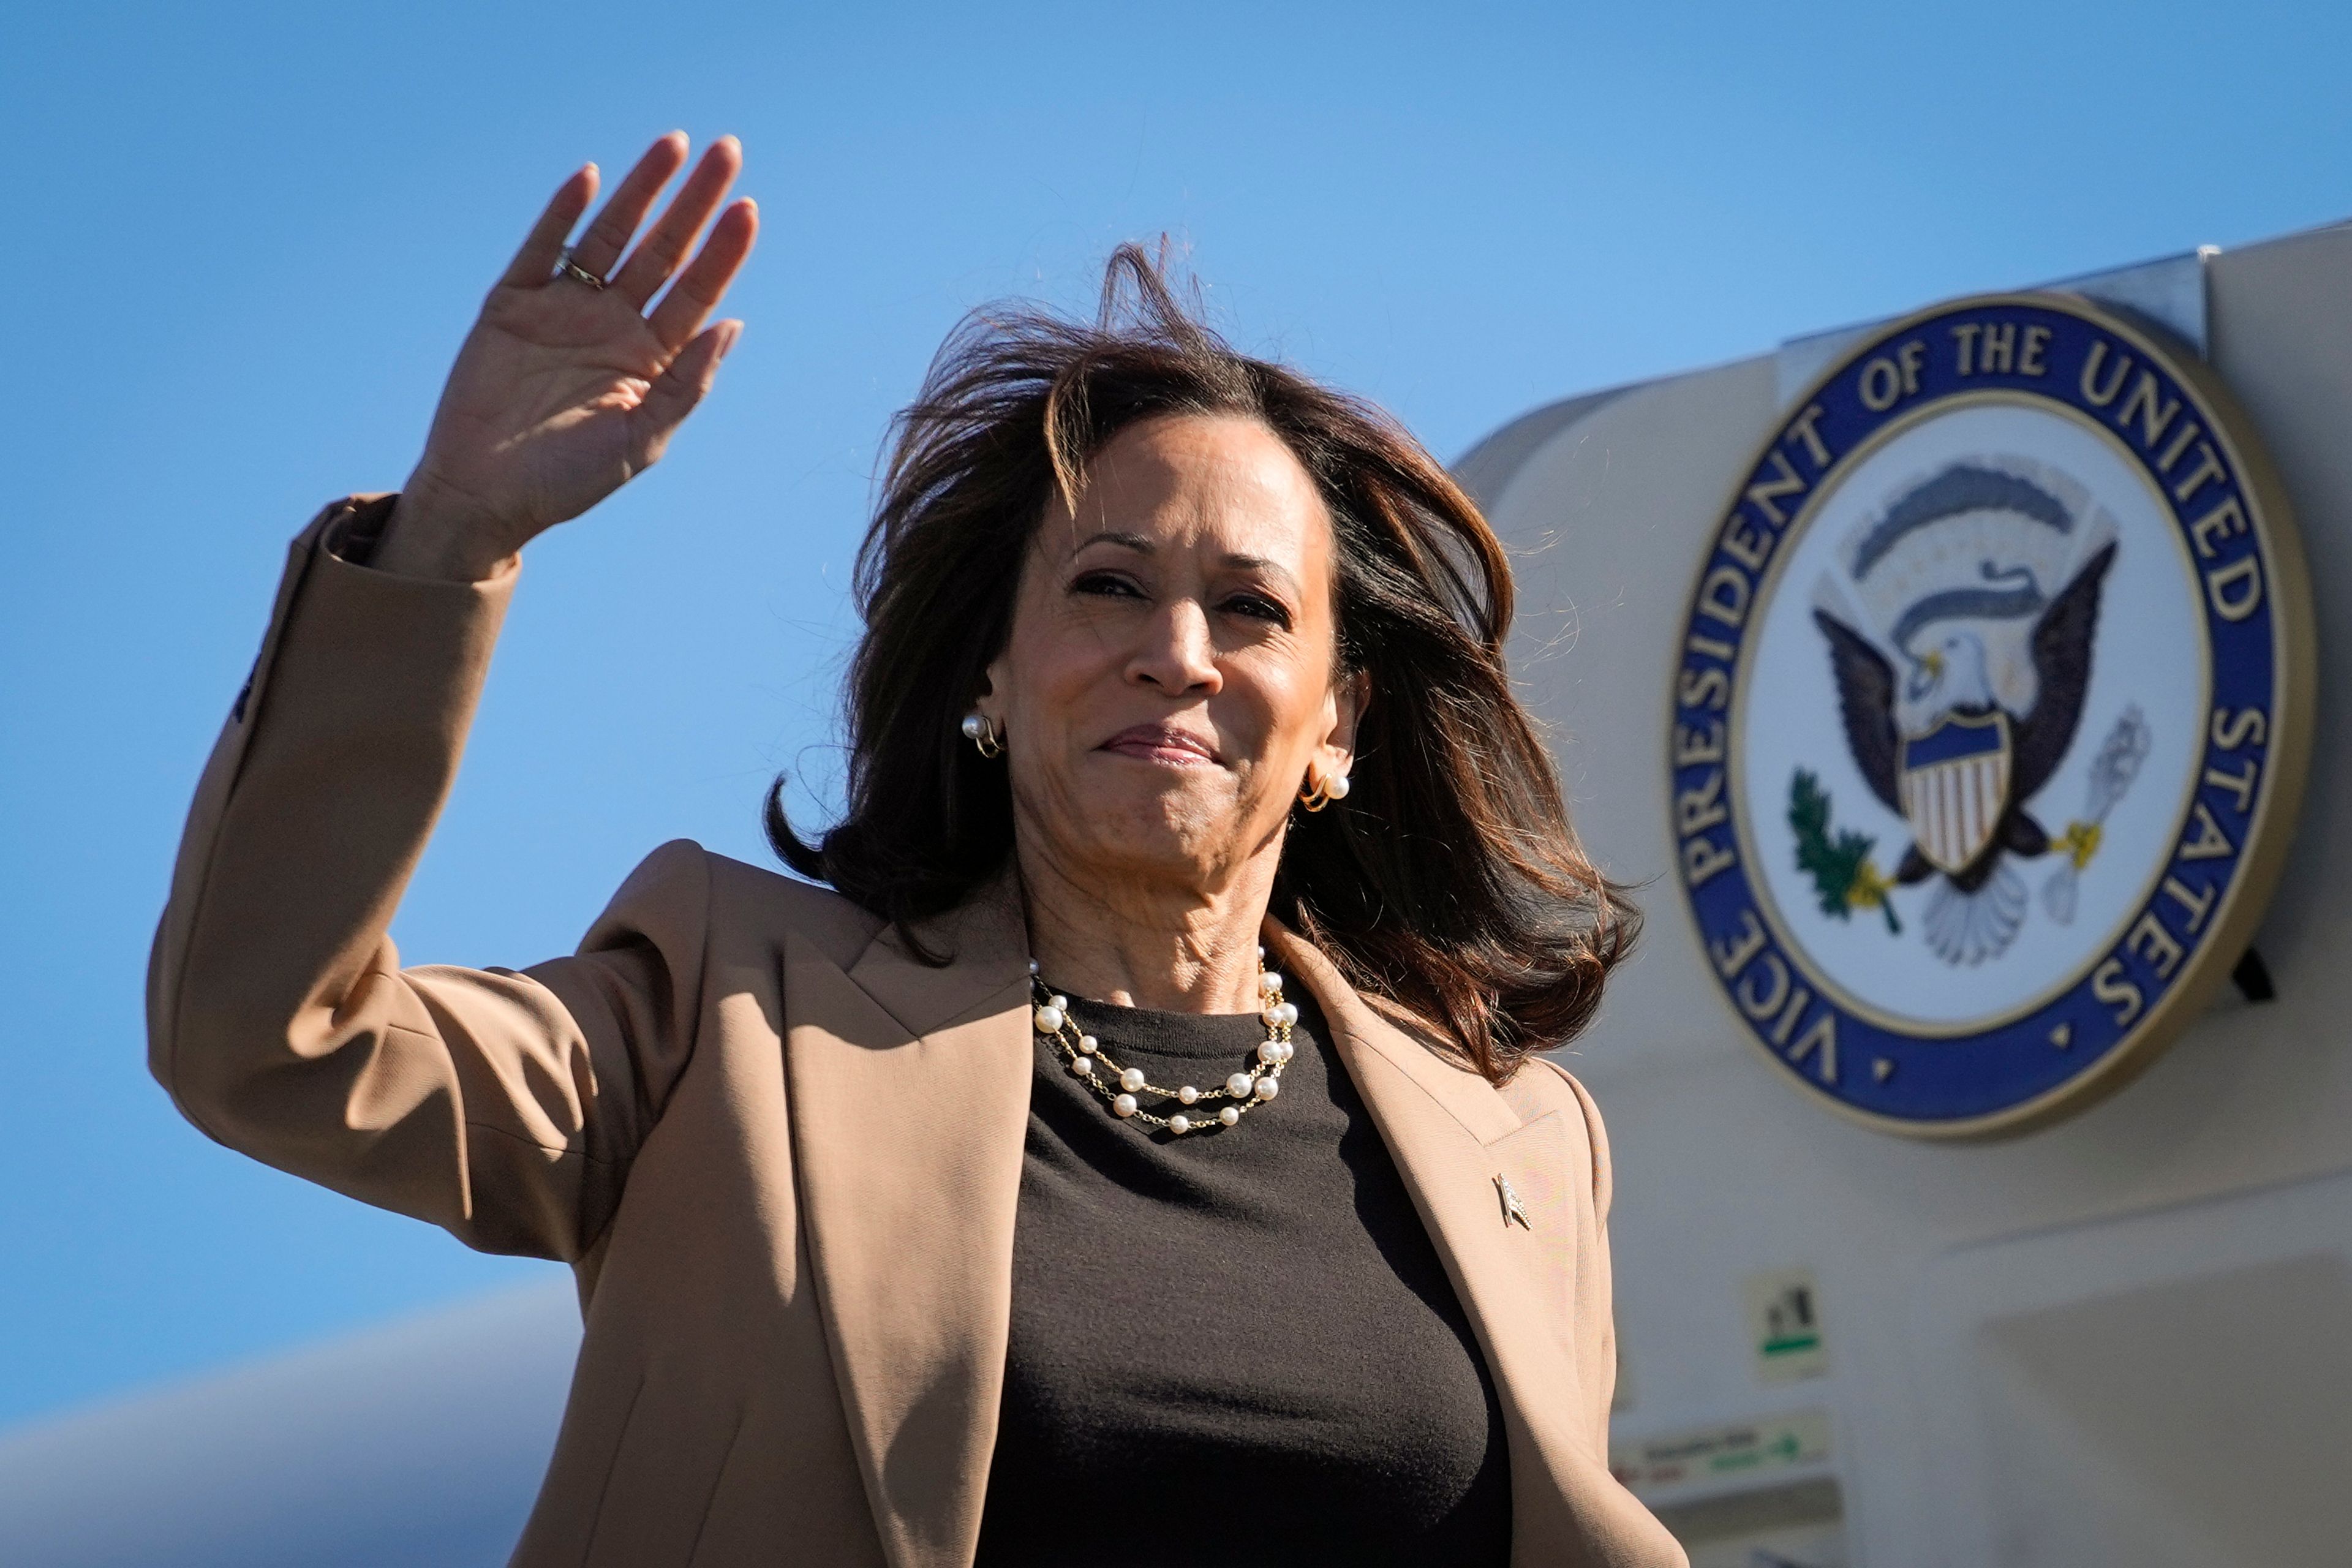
[
  {"x": 1109, "y": 584},
  {"x": 1258, "y": 607}
]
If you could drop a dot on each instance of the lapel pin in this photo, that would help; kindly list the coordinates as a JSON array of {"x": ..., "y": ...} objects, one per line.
[{"x": 1513, "y": 1209}]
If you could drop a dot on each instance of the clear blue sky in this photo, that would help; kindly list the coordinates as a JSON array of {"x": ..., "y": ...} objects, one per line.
[{"x": 243, "y": 241}]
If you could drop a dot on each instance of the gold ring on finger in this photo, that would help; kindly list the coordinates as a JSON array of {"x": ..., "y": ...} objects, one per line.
[{"x": 567, "y": 267}]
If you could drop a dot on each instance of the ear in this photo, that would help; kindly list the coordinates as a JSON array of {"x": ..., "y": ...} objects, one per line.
[
  {"x": 1350, "y": 696},
  {"x": 986, "y": 701}
]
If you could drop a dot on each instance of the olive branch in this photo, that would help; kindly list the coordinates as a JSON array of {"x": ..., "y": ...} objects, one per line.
[{"x": 1840, "y": 865}]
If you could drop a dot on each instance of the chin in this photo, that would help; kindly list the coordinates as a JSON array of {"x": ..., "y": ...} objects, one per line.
[{"x": 1182, "y": 826}]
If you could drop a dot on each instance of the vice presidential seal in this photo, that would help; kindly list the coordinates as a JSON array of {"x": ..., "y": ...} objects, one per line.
[{"x": 1990, "y": 716}]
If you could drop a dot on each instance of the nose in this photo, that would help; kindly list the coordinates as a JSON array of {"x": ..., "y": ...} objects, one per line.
[{"x": 1174, "y": 654}]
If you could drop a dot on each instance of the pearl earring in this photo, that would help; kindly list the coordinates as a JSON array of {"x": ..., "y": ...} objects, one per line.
[
  {"x": 982, "y": 733},
  {"x": 1316, "y": 794}
]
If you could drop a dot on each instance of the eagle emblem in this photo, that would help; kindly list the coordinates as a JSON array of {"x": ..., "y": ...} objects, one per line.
[
  {"x": 1924, "y": 717},
  {"x": 1991, "y": 565}
]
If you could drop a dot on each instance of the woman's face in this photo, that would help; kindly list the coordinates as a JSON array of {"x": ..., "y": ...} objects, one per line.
[{"x": 1171, "y": 675}]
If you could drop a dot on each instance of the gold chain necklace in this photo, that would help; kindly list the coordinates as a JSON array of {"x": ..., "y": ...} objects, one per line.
[{"x": 1093, "y": 1066}]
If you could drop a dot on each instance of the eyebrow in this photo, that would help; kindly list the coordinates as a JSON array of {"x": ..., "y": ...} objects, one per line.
[
  {"x": 1134, "y": 542},
  {"x": 1143, "y": 546}
]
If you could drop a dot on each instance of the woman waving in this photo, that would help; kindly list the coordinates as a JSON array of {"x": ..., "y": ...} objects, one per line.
[{"x": 1127, "y": 1139}]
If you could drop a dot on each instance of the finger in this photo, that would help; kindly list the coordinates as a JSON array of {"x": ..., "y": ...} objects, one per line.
[
  {"x": 632, "y": 198},
  {"x": 535, "y": 262},
  {"x": 705, "y": 281},
  {"x": 650, "y": 265},
  {"x": 680, "y": 387}
]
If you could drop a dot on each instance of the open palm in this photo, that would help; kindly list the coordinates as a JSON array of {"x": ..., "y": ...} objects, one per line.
[{"x": 564, "y": 390}]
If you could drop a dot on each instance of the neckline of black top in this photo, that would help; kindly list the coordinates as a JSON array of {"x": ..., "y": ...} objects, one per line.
[{"x": 1148, "y": 1031}]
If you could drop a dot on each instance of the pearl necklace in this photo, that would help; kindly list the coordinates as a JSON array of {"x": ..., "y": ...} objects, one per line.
[{"x": 1245, "y": 1091}]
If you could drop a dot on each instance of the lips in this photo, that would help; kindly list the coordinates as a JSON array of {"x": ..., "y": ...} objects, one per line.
[{"x": 1162, "y": 743}]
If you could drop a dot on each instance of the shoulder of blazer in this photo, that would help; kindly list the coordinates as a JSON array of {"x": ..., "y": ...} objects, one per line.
[
  {"x": 752, "y": 902},
  {"x": 1555, "y": 1085}
]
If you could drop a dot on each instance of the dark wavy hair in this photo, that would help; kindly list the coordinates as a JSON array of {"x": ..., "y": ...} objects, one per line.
[{"x": 1450, "y": 882}]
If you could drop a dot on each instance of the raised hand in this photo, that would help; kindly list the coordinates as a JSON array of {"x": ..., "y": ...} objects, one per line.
[{"x": 565, "y": 391}]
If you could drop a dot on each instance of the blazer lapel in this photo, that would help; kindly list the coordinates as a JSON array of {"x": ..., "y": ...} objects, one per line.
[
  {"x": 1456, "y": 1141},
  {"x": 910, "y": 1091}
]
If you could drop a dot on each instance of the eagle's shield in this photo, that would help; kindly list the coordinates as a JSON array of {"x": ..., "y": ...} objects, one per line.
[{"x": 1955, "y": 782}]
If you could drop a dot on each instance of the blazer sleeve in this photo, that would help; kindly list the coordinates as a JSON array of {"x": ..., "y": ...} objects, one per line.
[{"x": 503, "y": 1105}]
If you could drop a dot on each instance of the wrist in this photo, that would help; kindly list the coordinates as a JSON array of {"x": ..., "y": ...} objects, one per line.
[{"x": 427, "y": 536}]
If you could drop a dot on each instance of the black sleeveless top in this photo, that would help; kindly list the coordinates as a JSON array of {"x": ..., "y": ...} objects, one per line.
[{"x": 1237, "y": 1346}]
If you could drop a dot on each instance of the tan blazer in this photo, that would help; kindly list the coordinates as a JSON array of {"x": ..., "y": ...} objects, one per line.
[{"x": 781, "y": 1156}]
